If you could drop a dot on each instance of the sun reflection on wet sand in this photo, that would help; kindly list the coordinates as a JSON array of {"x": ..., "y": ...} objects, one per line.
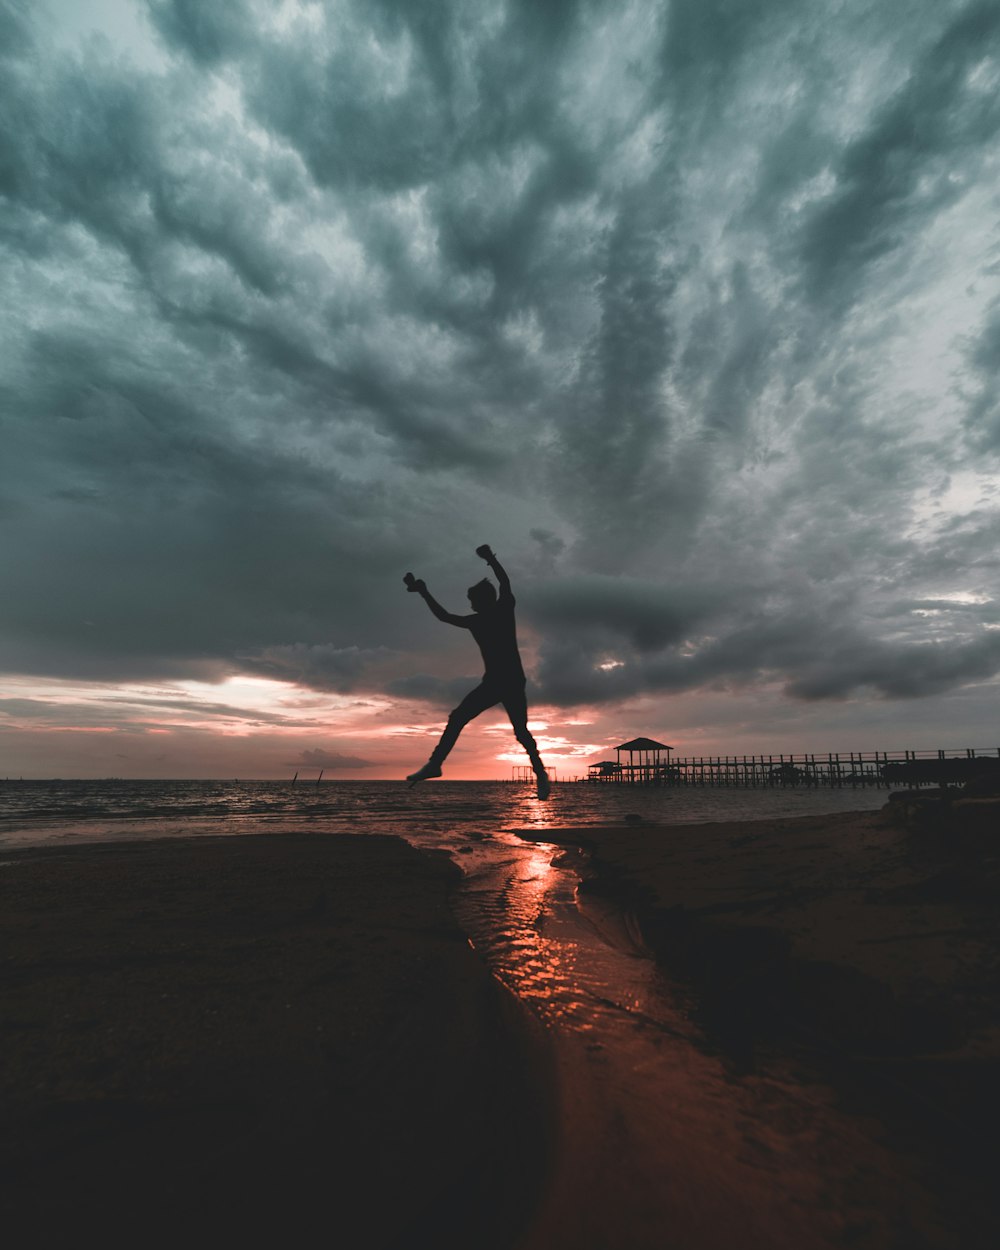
[
  {"x": 656, "y": 1131},
  {"x": 526, "y": 922},
  {"x": 537, "y": 969}
]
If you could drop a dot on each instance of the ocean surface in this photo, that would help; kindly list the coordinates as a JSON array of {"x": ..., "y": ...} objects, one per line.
[{"x": 44, "y": 812}]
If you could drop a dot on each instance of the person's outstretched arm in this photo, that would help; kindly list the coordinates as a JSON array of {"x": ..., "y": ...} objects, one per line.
[
  {"x": 418, "y": 586},
  {"x": 486, "y": 552}
]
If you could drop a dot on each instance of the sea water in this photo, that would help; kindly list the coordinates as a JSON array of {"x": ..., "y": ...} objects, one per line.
[{"x": 46, "y": 812}]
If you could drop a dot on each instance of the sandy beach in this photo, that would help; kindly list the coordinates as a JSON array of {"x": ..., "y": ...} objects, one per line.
[
  {"x": 265, "y": 1039},
  {"x": 878, "y": 939},
  {"x": 253, "y": 1038},
  {"x": 858, "y": 947}
]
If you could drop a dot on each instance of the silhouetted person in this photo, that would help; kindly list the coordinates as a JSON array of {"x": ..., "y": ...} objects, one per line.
[{"x": 492, "y": 626}]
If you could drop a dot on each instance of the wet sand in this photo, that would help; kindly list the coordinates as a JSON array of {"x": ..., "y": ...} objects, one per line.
[
  {"x": 855, "y": 951},
  {"x": 278, "y": 1038}
]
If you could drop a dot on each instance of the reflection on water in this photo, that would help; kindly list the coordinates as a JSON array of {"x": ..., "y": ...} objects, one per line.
[
  {"x": 576, "y": 968},
  {"x": 506, "y": 919}
]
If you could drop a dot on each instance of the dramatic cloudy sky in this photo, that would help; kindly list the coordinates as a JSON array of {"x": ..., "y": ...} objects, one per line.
[{"x": 690, "y": 308}]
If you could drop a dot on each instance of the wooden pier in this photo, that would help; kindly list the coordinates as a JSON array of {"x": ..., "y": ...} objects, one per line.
[{"x": 886, "y": 769}]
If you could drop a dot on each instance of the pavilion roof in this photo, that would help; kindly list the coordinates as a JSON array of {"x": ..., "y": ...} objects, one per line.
[{"x": 643, "y": 744}]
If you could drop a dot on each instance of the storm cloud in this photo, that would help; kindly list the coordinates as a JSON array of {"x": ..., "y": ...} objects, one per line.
[{"x": 690, "y": 310}]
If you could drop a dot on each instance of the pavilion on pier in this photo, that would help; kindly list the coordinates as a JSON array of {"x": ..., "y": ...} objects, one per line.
[{"x": 645, "y": 765}]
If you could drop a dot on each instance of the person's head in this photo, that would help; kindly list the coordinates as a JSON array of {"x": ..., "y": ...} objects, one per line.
[{"x": 482, "y": 596}]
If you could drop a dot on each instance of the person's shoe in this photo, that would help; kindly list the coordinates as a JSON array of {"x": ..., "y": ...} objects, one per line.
[
  {"x": 428, "y": 771},
  {"x": 544, "y": 785}
]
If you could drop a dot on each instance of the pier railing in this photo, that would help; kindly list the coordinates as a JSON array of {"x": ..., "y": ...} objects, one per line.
[
  {"x": 889, "y": 769},
  {"x": 524, "y": 772}
]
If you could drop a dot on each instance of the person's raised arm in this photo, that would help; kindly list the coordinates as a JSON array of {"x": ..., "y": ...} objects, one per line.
[
  {"x": 486, "y": 553},
  {"x": 418, "y": 586}
]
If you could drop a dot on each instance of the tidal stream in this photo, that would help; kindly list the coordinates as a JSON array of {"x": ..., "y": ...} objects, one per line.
[{"x": 660, "y": 1140}]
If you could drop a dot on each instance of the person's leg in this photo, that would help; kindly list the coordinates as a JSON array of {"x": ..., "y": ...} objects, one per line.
[
  {"x": 515, "y": 702},
  {"x": 475, "y": 701}
]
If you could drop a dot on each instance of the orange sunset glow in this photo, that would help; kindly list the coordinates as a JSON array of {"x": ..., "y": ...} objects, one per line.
[
  {"x": 257, "y": 727},
  {"x": 251, "y": 727}
]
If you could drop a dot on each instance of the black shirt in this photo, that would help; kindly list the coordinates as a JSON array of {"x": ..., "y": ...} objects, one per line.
[{"x": 496, "y": 633}]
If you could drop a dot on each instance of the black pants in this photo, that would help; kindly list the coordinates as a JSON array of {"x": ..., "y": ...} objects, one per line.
[{"x": 489, "y": 693}]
